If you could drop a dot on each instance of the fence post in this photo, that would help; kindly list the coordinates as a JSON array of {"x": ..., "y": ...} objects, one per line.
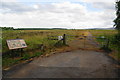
[
  {"x": 64, "y": 39},
  {"x": 84, "y": 40},
  {"x": 107, "y": 44}
]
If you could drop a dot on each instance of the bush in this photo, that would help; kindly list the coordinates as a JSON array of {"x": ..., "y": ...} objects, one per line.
[
  {"x": 115, "y": 39},
  {"x": 26, "y": 56},
  {"x": 59, "y": 44},
  {"x": 37, "y": 54}
]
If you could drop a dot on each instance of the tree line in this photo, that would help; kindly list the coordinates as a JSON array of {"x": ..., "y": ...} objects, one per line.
[{"x": 6, "y": 28}]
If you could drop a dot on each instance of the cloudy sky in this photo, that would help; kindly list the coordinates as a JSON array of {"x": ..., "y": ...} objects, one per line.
[{"x": 75, "y": 14}]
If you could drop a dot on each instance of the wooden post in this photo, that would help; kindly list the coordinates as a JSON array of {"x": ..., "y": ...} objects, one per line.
[
  {"x": 84, "y": 40},
  {"x": 107, "y": 43},
  {"x": 64, "y": 39},
  {"x": 21, "y": 52},
  {"x": 12, "y": 54}
]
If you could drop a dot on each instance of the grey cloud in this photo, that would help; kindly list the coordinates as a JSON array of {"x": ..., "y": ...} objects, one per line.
[
  {"x": 15, "y": 7},
  {"x": 104, "y": 5}
]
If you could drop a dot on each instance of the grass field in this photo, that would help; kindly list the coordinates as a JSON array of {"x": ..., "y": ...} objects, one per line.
[
  {"x": 113, "y": 45},
  {"x": 34, "y": 38}
]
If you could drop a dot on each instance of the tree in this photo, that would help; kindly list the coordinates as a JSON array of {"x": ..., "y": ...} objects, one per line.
[
  {"x": 117, "y": 24},
  {"x": 117, "y": 20}
]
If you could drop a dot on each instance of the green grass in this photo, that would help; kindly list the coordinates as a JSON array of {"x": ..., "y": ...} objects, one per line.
[
  {"x": 33, "y": 37},
  {"x": 108, "y": 34},
  {"x": 9, "y": 61},
  {"x": 113, "y": 42},
  {"x": 37, "y": 54},
  {"x": 111, "y": 39},
  {"x": 0, "y": 60},
  {"x": 27, "y": 56}
]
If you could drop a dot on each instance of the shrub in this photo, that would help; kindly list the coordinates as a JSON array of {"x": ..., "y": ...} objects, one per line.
[
  {"x": 37, "y": 54},
  {"x": 25, "y": 57}
]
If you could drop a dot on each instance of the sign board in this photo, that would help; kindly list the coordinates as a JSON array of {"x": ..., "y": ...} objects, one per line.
[
  {"x": 16, "y": 43},
  {"x": 60, "y": 37}
]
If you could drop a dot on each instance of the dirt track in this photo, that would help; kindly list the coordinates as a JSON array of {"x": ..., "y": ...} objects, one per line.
[{"x": 73, "y": 64}]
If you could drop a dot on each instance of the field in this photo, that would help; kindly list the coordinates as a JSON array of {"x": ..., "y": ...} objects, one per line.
[
  {"x": 34, "y": 38},
  {"x": 113, "y": 43}
]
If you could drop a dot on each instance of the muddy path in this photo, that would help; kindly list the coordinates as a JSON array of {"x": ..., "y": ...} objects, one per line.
[
  {"x": 77, "y": 63},
  {"x": 87, "y": 42}
]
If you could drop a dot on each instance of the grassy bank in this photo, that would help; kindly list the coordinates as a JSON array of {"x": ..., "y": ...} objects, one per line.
[{"x": 113, "y": 43}]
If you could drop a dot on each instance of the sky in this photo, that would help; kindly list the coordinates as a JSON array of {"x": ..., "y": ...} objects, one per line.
[{"x": 71, "y": 14}]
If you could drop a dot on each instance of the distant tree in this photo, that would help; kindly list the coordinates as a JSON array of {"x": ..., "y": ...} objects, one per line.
[
  {"x": 117, "y": 20},
  {"x": 7, "y": 28}
]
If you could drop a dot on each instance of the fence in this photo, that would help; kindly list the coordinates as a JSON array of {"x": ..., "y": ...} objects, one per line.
[{"x": 84, "y": 42}]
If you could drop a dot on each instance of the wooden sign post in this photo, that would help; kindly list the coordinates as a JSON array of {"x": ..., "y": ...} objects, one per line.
[{"x": 15, "y": 44}]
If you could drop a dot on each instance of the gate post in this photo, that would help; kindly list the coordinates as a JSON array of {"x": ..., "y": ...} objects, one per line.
[
  {"x": 84, "y": 40},
  {"x": 64, "y": 39}
]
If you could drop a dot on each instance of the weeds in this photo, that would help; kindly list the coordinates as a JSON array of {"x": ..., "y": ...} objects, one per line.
[
  {"x": 26, "y": 57},
  {"x": 37, "y": 54}
]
